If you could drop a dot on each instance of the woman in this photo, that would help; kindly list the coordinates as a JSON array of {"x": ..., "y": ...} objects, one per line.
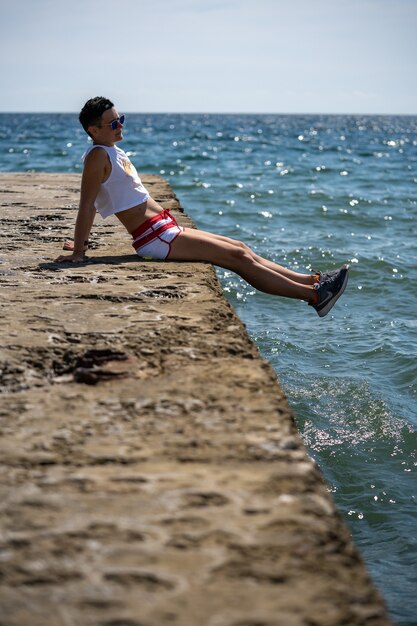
[{"x": 111, "y": 186}]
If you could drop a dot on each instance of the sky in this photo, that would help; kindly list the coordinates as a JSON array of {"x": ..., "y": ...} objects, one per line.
[{"x": 214, "y": 56}]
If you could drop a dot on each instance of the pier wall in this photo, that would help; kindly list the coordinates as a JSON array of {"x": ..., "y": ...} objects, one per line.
[{"x": 151, "y": 470}]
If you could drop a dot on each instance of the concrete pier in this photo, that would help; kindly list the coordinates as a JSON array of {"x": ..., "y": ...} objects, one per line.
[{"x": 151, "y": 470}]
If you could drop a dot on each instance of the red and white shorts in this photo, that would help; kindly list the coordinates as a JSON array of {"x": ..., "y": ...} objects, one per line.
[{"x": 153, "y": 239}]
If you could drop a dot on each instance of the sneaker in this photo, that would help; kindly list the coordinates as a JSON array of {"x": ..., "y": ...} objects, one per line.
[
  {"x": 324, "y": 276},
  {"x": 330, "y": 290}
]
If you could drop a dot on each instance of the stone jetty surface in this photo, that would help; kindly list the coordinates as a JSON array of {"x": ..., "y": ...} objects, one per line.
[{"x": 151, "y": 469}]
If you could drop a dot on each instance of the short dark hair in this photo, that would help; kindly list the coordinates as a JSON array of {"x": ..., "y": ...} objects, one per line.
[{"x": 92, "y": 111}]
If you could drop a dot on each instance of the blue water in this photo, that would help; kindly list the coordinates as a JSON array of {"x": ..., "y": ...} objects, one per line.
[{"x": 310, "y": 192}]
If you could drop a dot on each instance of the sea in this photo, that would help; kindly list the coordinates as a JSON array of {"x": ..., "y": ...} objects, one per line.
[{"x": 310, "y": 192}]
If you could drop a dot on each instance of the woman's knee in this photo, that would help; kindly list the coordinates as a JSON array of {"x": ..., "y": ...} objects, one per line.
[
  {"x": 241, "y": 256},
  {"x": 240, "y": 244},
  {"x": 243, "y": 250}
]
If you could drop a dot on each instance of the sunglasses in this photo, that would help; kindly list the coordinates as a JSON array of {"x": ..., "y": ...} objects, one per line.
[{"x": 114, "y": 123}]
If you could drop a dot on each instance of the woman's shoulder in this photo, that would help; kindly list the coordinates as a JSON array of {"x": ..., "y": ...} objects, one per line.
[{"x": 96, "y": 152}]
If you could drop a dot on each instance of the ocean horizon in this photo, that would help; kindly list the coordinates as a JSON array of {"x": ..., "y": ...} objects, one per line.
[{"x": 223, "y": 113}]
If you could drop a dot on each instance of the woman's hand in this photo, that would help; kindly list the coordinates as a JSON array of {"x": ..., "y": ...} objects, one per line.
[
  {"x": 71, "y": 258},
  {"x": 69, "y": 245}
]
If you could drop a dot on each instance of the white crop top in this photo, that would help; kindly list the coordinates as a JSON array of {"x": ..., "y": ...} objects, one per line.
[{"x": 123, "y": 189}]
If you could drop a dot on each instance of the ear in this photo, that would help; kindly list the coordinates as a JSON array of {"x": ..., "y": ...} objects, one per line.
[{"x": 92, "y": 131}]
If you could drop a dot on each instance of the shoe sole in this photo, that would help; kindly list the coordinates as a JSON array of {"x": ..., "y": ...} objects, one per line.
[{"x": 333, "y": 301}]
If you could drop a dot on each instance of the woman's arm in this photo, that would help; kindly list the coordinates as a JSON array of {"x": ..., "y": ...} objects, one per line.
[{"x": 93, "y": 175}]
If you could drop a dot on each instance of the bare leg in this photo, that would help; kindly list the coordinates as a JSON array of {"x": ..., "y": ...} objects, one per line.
[
  {"x": 302, "y": 279},
  {"x": 195, "y": 245}
]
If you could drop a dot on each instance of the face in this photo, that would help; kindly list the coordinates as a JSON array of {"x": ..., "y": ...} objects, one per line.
[{"x": 104, "y": 134}]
